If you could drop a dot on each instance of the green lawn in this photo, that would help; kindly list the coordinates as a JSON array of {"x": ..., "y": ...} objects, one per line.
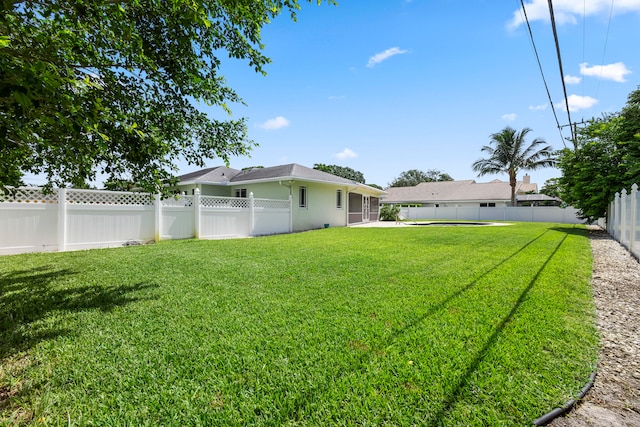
[{"x": 340, "y": 326}]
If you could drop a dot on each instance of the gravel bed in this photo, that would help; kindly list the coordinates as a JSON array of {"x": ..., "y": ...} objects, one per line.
[{"x": 614, "y": 399}]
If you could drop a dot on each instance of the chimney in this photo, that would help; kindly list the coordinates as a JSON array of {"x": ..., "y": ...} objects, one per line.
[{"x": 526, "y": 179}]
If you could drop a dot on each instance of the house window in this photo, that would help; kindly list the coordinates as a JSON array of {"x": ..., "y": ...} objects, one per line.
[
  {"x": 338, "y": 199},
  {"x": 241, "y": 192},
  {"x": 487, "y": 205},
  {"x": 302, "y": 195}
]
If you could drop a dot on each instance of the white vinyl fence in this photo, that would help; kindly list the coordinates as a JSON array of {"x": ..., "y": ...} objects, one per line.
[
  {"x": 70, "y": 219},
  {"x": 623, "y": 222},
  {"x": 475, "y": 213}
]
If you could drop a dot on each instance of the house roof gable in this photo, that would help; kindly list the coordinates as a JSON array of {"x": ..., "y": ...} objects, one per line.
[
  {"x": 293, "y": 171},
  {"x": 289, "y": 171}
]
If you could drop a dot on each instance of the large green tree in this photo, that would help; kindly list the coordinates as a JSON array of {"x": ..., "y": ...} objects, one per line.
[
  {"x": 342, "y": 171},
  {"x": 595, "y": 169},
  {"x": 509, "y": 153},
  {"x": 551, "y": 188},
  {"x": 112, "y": 86},
  {"x": 414, "y": 177},
  {"x": 630, "y": 137},
  {"x": 606, "y": 160}
]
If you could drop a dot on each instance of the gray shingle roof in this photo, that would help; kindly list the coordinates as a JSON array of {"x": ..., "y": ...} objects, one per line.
[
  {"x": 222, "y": 175},
  {"x": 215, "y": 175},
  {"x": 290, "y": 171},
  {"x": 536, "y": 198},
  {"x": 451, "y": 191}
]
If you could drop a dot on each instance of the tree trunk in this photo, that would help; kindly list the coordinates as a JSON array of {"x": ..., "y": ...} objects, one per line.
[{"x": 512, "y": 182}]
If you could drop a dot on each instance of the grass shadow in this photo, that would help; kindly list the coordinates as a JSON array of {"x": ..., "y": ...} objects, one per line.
[
  {"x": 389, "y": 339},
  {"x": 463, "y": 382},
  {"x": 444, "y": 303},
  {"x": 572, "y": 230},
  {"x": 28, "y": 297}
]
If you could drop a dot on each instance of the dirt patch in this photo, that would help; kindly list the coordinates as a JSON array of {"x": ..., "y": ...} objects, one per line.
[{"x": 614, "y": 399}]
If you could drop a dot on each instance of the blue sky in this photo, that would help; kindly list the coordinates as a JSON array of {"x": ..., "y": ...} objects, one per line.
[{"x": 385, "y": 86}]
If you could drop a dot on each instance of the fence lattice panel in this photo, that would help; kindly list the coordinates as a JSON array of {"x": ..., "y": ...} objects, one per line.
[
  {"x": 181, "y": 201},
  {"x": 224, "y": 202},
  {"x": 271, "y": 204},
  {"x": 89, "y": 197},
  {"x": 28, "y": 195}
]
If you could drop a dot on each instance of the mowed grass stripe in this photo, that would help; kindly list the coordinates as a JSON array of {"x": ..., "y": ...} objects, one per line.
[{"x": 341, "y": 326}]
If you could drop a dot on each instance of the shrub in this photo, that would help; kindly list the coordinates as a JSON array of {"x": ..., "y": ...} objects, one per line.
[{"x": 389, "y": 212}]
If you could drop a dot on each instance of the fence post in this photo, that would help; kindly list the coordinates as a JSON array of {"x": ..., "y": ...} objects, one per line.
[
  {"x": 157, "y": 204},
  {"x": 251, "y": 214},
  {"x": 634, "y": 216},
  {"x": 196, "y": 213},
  {"x": 616, "y": 217},
  {"x": 623, "y": 218},
  {"x": 611, "y": 226},
  {"x": 62, "y": 219}
]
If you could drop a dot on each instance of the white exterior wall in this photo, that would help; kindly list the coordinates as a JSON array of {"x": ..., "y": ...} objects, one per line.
[
  {"x": 265, "y": 190},
  {"x": 205, "y": 190},
  {"x": 321, "y": 207}
]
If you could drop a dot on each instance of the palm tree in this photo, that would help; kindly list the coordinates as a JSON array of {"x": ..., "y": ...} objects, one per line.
[{"x": 510, "y": 154}]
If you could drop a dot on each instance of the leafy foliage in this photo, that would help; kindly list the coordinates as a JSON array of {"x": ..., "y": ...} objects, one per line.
[
  {"x": 341, "y": 171},
  {"x": 112, "y": 86},
  {"x": 510, "y": 154},
  {"x": 414, "y": 177},
  {"x": 595, "y": 170},
  {"x": 630, "y": 137},
  {"x": 551, "y": 188},
  {"x": 389, "y": 212},
  {"x": 606, "y": 159}
]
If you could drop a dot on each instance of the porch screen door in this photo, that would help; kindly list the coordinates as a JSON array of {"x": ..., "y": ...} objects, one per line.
[{"x": 365, "y": 208}]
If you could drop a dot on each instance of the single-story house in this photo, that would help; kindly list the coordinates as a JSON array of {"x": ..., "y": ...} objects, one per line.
[
  {"x": 467, "y": 193},
  {"x": 318, "y": 198}
]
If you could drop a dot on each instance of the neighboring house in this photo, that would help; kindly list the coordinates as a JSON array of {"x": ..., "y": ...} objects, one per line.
[
  {"x": 318, "y": 198},
  {"x": 463, "y": 194}
]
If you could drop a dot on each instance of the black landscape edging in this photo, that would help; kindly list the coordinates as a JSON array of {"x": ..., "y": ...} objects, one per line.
[{"x": 550, "y": 416}]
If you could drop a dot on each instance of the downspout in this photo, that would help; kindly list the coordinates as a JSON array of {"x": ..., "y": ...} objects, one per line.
[{"x": 289, "y": 186}]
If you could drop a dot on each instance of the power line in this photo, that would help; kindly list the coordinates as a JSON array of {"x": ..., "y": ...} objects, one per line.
[
  {"x": 584, "y": 35},
  {"x": 535, "y": 50},
  {"x": 564, "y": 86},
  {"x": 604, "y": 51}
]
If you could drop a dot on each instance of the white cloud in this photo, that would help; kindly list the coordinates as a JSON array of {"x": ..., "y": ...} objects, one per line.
[
  {"x": 538, "y": 107},
  {"x": 572, "y": 80},
  {"x": 347, "y": 153},
  {"x": 275, "y": 123},
  {"x": 382, "y": 56},
  {"x": 615, "y": 72},
  {"x": 577, "y": 103},
  {"x": 509, "y": 117},
  {"x": 570, "y": 11}
]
